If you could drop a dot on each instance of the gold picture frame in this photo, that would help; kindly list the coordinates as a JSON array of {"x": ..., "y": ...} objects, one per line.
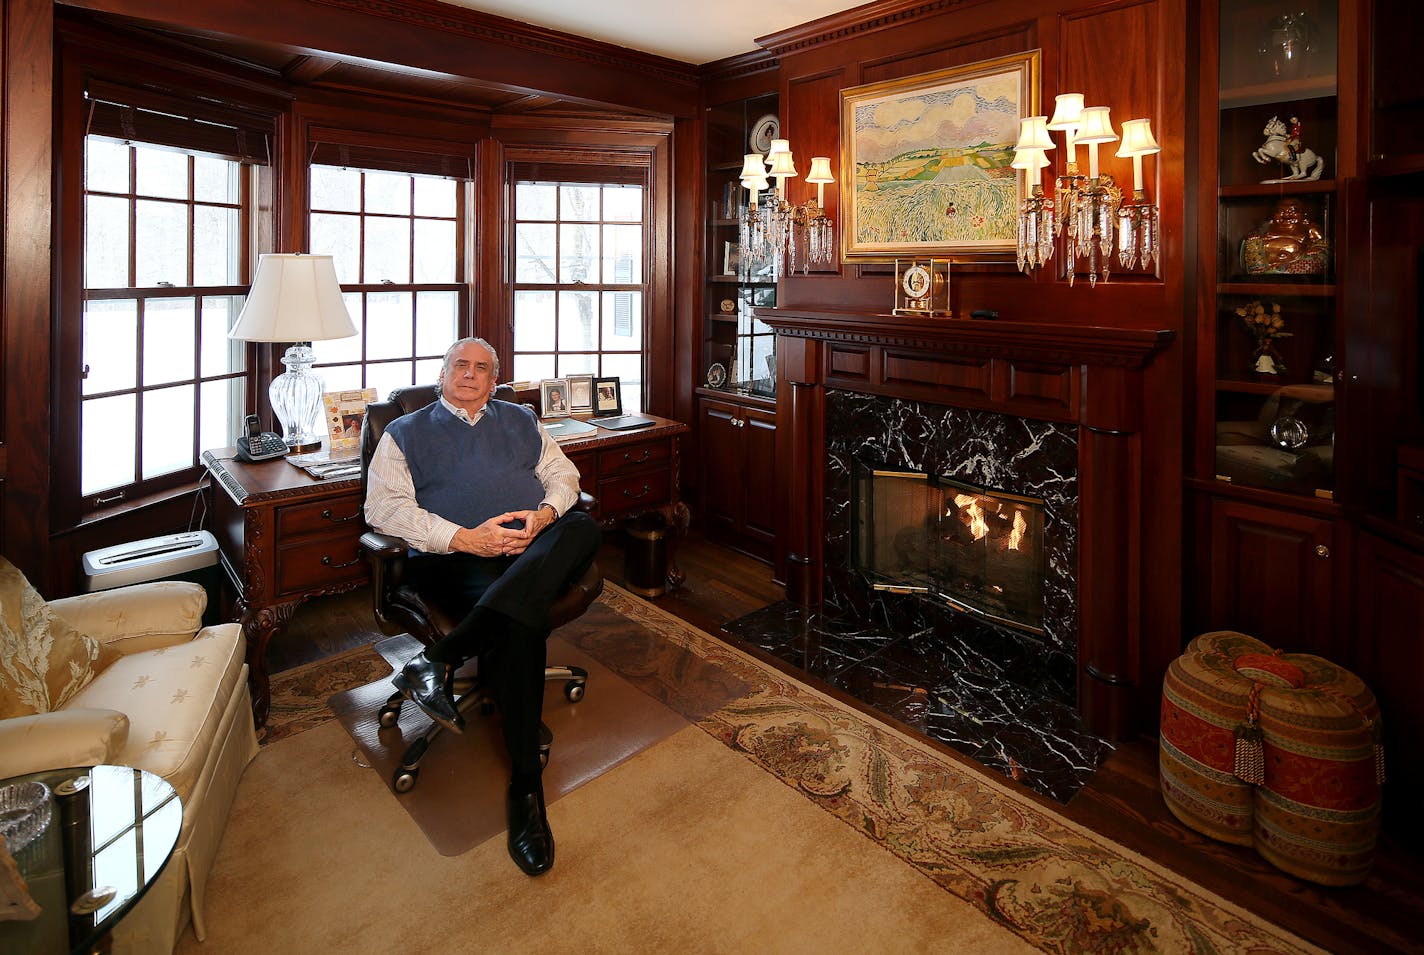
[{"x": 925, "y": 160}]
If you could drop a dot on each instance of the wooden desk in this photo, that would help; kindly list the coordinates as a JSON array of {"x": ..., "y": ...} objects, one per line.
[
  {"x": 635, "y": 472},
  {"x": 286, "y": 537}
]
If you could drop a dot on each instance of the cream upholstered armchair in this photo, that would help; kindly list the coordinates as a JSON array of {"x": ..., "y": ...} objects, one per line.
[{"x": 129, "y": 677}]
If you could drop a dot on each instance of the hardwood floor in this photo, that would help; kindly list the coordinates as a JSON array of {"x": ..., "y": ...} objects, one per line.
[{"x": 1121, "y": 801}]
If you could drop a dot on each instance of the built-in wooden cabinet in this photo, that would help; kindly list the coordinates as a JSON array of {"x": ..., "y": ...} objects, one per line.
[
  {"x": 736, "y": 396},
  {"x": 1307, "y": 485},
  {"x": 1276, "y": 148},
  {"x": 737, "y": 350},
  {"x": 739, "y": 475},
  {"x": 1272, "y": 575}
]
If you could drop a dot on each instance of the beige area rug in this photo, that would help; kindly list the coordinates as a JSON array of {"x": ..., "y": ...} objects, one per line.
[
  {"x": 458, "y": 798},
  {"x": 784, "y": 821}
]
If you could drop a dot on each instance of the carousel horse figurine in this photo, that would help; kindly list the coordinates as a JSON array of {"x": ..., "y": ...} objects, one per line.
[{"x": 1303, "y": 163}]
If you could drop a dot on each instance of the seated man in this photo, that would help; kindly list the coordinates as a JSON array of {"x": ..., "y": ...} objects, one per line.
[{"x": 482, "y": 496}]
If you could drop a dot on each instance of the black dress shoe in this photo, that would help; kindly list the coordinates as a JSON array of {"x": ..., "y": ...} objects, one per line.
[
  {"x": 531, "y": 842},
  {"x": 426, "y": 683}
]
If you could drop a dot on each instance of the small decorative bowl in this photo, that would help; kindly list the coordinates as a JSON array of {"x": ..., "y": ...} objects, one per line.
[{"x": 24, "y": 813}]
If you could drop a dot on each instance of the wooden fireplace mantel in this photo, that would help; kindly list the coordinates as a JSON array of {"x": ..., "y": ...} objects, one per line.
[
  {"x": 1070, "y": 344},
  {"x": 1081, "y": 373},
  {"x": 1088, "y": 376}
]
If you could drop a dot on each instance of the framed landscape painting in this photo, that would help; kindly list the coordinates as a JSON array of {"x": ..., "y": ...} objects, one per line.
[{"x": 925, "y": 160}]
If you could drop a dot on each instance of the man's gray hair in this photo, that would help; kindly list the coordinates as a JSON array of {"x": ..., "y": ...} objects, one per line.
[{"x": 473, "y": 341}]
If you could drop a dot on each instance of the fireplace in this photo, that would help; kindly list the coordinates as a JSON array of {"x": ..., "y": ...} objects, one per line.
[
  {"x": 978, "y": 549},
  {"x": 1033, "y": 408},
  {"x": 921, "y": 502}
]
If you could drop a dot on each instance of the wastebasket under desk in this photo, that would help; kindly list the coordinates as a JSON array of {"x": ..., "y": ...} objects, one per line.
[{"x": 645, "y": 555}]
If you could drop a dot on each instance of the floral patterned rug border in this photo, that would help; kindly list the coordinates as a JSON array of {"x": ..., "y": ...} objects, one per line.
[
  {"x": 299, "y": 695},
  {"x": 1055, "y": 884}
]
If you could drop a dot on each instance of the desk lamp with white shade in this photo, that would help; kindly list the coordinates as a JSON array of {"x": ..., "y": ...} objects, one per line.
[{"x": 296, "y": 298}]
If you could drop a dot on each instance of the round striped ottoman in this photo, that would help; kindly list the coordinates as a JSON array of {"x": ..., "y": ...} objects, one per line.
[{"x": 1276, "y": 751}]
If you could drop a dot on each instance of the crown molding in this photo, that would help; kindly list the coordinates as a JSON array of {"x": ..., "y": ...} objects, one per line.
[
  {"x": 431, "y": 14},
  {"x": 736, "y": 67},
  {"x": 869, "y": 18}
]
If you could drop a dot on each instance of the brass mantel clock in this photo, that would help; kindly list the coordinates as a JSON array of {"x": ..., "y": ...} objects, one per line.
[{"x": 922, "y": 287}]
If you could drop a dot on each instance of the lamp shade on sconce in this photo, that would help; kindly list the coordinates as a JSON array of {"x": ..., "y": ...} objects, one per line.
[
  {"x": 783, "y": 164},
  {"x": 1031, "y": 158},
  {"x": 1067, "y": 111},
  {"x": 294, "y": 298},
  {"x": 1033, "y": 134},
  {"x": 1096, "y": 126},
  {"x": 820, "y": 170},
  {"x": 752, "y": 165},
  {"x": 1137, "y": 139}
]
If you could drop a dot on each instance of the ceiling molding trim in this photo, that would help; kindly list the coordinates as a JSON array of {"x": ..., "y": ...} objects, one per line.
[
  {"x": 736, "y": 67},
  {"x": 486, "y": 26},
  {"x": 869, "y": 18}
]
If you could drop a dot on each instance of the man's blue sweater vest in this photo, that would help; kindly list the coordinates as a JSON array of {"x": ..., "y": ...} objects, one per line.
[{"x": 469, "y": 474}]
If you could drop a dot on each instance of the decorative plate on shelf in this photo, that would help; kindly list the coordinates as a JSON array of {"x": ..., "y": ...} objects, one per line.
[
  {"x": 716, "y": 376},
  {"x": 764, "y": 131}
]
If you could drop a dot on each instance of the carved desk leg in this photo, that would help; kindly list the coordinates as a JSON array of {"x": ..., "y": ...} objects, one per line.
[
  {"x": 259, "y": 626},
  {"x": 677, "y": 516}
]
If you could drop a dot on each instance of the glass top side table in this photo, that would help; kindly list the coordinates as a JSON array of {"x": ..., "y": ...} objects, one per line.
[{"x": 111, "y": 832}]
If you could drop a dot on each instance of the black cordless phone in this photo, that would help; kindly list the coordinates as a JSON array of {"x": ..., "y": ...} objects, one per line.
[{"x": 258, "y": 445}]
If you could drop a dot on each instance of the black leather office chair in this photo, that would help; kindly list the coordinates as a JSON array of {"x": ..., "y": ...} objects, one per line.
[{"x": 402, "y": 608}]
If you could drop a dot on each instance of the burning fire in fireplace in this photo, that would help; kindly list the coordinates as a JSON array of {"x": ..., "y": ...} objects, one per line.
[{"x": 979, "y": 549}]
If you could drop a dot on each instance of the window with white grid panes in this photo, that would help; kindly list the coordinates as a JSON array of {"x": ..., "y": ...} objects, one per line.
[
  {"x": 579, "y": 270},
  {"x": 398, "y": 249},
  {"x": 164, "y": 235}
]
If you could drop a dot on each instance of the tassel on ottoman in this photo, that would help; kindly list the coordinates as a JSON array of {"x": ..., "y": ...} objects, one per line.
[{"x": 1276, "y": 751}]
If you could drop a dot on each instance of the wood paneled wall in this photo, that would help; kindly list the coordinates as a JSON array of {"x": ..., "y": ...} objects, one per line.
[
  {"x": 26, "y": 68},
  {"x": 1127, "y": 55},
  {"x": 1131, "y": 55}
]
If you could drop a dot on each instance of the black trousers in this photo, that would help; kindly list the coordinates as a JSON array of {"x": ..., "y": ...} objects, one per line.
[{"x": 508, "y": 621}]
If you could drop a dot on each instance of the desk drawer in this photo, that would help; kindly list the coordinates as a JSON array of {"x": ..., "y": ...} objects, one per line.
[
  {"x": 312, "y": 565},
  {"x": 635, "y": 490},
  {"x": 632, "y": 457},
  {"x": 321, "y": 517}
]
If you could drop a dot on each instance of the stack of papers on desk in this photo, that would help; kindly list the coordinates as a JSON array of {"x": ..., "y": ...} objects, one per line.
[
  {"x": 327, "y": 466},
  {"x": 562, "y": 429}
]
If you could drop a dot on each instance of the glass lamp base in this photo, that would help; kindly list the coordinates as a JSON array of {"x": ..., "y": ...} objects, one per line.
[{"x": 296, "y": 400}]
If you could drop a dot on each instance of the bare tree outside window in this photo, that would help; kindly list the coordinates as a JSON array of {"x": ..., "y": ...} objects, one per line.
[
  {"x": 578, "y": 251},
  {"x": 395, "y": 240}
]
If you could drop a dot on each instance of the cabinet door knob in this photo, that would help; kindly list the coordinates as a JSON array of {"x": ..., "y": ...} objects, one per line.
[{"x": 1321, "y": 550}]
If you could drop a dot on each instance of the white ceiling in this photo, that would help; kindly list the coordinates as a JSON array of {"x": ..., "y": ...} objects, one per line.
[{"x": 694, "y": 31}]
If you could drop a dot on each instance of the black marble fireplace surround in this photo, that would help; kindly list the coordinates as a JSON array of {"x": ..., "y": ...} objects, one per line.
[{"x": 998, "y": 694}]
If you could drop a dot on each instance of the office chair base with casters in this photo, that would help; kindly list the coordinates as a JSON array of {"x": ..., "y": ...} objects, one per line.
[{"x": 468, "y": 695}]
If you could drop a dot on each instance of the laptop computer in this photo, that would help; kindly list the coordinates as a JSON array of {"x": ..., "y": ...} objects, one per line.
[{"x": 624, "y": 422}]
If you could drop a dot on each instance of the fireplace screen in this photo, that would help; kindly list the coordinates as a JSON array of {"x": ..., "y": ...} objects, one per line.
[{"x": 976, "y": 548}]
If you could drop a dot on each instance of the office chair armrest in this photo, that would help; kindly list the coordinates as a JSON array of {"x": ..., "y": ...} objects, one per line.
[
  {"x": 382, "y": 545},
  {"x": 586, "y": 502},
  {"x": 386, "y": 555}
]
